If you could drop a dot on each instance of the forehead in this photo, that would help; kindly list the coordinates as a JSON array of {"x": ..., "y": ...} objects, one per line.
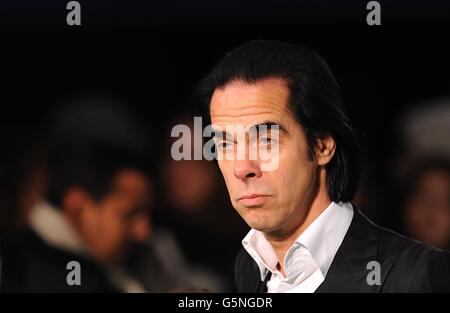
[
  {"x": 245, "y": 103},
  {"x": 132, "y": 184}
]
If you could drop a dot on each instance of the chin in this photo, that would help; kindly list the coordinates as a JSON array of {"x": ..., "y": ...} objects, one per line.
[
  {"x": 261, "y": 223},
  {"x": 260, "y": 227}
]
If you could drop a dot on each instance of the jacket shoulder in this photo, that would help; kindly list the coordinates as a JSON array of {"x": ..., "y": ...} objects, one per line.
[
  {"x": 29, "y": 264},
  {"x": 418, "y": 267}
]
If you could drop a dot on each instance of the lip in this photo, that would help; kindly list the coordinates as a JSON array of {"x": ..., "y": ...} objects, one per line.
[{"x": 253, "y": 200}]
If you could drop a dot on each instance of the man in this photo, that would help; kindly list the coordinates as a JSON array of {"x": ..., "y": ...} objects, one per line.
[
  {"x": 306, "y": 236},
  {"x": 95, "y": 212}
]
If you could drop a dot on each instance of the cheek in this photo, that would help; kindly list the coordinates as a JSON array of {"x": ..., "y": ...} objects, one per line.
[
  {"x": 295, "y": 176},
  {"x": 118, "y": 225},
  {"x": 226, "y": 168},
  {"x": 111, "y": 228},
  {"x": 90, "y": 223}
]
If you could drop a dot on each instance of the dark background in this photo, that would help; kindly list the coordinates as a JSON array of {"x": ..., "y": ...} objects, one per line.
[{"x": 151, "y": 56}]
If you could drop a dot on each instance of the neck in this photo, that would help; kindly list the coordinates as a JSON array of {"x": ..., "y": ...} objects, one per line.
[{"x": 282, "y": 241}]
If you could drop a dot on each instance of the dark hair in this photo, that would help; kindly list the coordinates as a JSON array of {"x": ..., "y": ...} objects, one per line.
[
  {"x": 314, "y": 100},
  {"x": 90, "y": 165}
]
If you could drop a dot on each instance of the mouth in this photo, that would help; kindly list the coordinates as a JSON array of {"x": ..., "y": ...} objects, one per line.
[{"x": 253, "y": 200}]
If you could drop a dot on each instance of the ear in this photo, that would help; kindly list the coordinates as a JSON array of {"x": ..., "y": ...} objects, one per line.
[
  {"x": 325, "y": 149},
  {"x": 75, "y": 201}
]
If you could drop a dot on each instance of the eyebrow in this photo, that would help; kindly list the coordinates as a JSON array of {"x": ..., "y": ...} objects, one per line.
[
  {"x": 253, "y": 128},
  {"x": 223, "y": 134},
  {"x": 268, "y": 125}
]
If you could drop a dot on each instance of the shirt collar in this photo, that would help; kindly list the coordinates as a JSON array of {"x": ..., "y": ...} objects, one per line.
[
  {"x": 322, "y": 239},
  {"x": 54, "y": 228}
]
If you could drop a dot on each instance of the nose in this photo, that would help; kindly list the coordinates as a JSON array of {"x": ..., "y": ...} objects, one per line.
[
  {"x": 140, "y": 229},
  {"x": 246, "y": 169}
]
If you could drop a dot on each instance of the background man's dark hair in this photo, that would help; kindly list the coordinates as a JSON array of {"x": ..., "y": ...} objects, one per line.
[
  {"x": 314, "y": 99},
  {"x": 90, "y": 165}
]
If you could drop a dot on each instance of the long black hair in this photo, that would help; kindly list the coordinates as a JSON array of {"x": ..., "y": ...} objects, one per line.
[{"x": 314, "y": 100}]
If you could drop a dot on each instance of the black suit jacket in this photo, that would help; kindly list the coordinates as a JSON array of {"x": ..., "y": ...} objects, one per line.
[
  {"x": 31, "y": 265},
  {"x": 406, "y": 265}
]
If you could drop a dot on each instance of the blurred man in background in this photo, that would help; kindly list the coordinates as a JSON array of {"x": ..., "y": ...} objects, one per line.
[
  {"x": 426, "y": 203},
  {"x": 91, "y": 205},
  {"x": 421, "y": 171},
  {"x": 88, "y": 215}
]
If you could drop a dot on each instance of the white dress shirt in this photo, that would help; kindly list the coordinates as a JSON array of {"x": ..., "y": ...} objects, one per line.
[{"x": 308, "y": 260}]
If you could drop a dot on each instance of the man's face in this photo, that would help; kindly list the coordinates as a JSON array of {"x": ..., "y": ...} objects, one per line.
[
  {"x": 428, "y": 210},
  {"x": 121, "y": 219},
  {"x": 276, "y": 201}
]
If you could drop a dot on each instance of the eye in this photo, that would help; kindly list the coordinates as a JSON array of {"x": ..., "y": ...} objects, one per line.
[
  {"x": 224, "y": 146},
  {"x": 265, "y": 140}
]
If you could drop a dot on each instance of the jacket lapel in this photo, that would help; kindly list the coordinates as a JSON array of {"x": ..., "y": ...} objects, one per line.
[
  {"x": 348, "y": 271},
  {"x": 262, "y": 285}
]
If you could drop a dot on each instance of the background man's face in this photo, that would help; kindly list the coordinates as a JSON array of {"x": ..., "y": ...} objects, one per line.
[
  {"x": 427, "y": 212},
  {"x": 121, "y": 219},
  {"x": 285, "y": 193}
]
